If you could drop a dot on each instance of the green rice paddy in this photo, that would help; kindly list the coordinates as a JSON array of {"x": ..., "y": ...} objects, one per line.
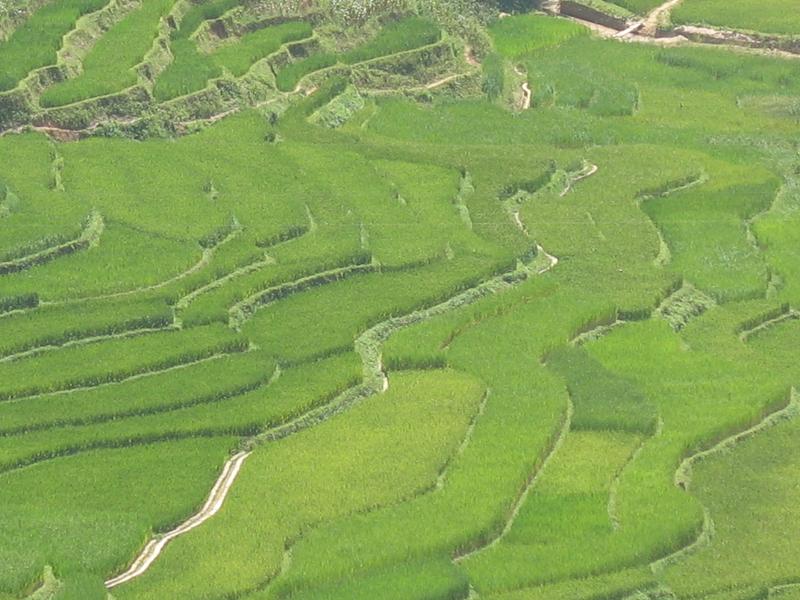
[{"x": 463, "y": 345}]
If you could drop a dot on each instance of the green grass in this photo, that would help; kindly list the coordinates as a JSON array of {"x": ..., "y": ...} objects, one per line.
[
  {"x": 34, "y": 43},
  {"x": 399, "y": 36},
  {"x": 269, "y": 246},
  {"x": 758, "y": 472},
  {"x": 640, "y": 7},
  {"x": 289, "y": 76},
  {"x": 93, "y": 364},
  {"x": 198, "y": 13},
  {"x": 191, "y": 69},
  {"x": 317, "y": 477},
  {"x": 108, "y": 68},
  {"x": 769, "y": 16},
  {"x": 519, "y": 35},
  {"x": 85, "y": 515}
]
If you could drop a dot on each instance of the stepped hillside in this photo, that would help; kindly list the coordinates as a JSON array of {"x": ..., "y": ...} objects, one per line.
[{"x": 399, "y": 300}]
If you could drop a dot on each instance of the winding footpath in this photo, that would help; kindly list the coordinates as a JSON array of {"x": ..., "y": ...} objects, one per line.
[
  {"x": 212, "y": 506},
  {"x": 369, "y": 347}
]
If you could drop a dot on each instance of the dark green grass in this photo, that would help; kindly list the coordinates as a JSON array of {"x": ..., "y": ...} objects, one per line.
[
  {"x": 34, "y": 43},
  {"x": 191, "y": 69},
  {"x": 519, "y": 35},
  {"x": 200, "y": 12},
  {"x": 108, "y": 67},
  {"x": 395, "y": 37},
  {"x": 767, "y": 16}
]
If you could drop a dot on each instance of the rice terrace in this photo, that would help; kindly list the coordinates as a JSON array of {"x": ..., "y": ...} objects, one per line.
[{"x": 399, "y": 300}]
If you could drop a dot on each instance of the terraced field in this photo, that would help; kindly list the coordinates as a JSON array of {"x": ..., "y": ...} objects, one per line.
[
  {"x": 771, "y": 16},
  {"x": 386, "y": 300}
]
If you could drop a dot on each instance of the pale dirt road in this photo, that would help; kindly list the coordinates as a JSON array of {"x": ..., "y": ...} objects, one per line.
[{"x": 215, "y": 500}]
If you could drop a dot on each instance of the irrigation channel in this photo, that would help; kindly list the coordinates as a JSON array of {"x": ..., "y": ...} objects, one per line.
[{"x": 369, "y": 347}]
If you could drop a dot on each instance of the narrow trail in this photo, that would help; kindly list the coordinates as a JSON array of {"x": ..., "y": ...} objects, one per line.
[
  {"x": 587, "y": 171},
  {"x": 658, "y": 16},
  {"x": 440, "y": 82},
  {"x": 526, "y": 96},
  {"x": 368, "y": 345},
  {"x": 212, "y": 506},
  {"x": 687, "y": 35}
]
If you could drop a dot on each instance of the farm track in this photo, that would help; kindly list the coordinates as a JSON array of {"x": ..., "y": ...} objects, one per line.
[
  {"x": 526, "y": 96},
  {"x": 213, "y": 504},
  {"x": 588, "y": 170},
  {"x": 368, "y": 346},
  {"x": 704, "y": 36},
  {"x": 657, "y": 16}
]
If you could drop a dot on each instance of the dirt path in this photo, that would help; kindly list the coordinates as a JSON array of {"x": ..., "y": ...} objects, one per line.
[
  {"x": 369, "y": 347},
  {"x": 469, "y": 56},
  {"x": 687, "y": 35},
  {"x": 657, "y": 16},
  {"x": 585, "y": 173},
  {"x": 526, "y": 96},
  {"x": 215, "y": 500},
  {"x": 440, "y": 82}
]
